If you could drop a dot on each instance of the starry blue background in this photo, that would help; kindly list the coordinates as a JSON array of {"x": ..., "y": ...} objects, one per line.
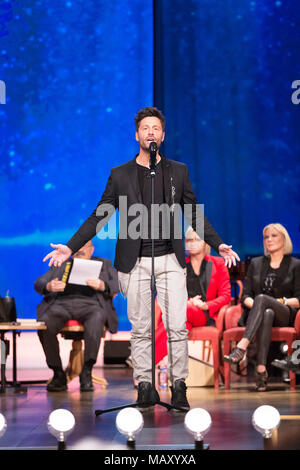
[
  {"x": 224, "y": 79},
  {"x": 76, "y": 72}
]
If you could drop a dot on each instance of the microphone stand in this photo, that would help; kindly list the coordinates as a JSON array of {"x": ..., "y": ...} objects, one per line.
[{"x": 153, "y": 290}]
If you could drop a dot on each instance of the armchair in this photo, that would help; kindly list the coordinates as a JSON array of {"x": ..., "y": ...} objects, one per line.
[{"x": 233, "y": 332}]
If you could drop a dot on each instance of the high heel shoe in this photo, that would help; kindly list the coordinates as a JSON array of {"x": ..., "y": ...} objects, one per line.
[
  {"x": 262, "y": 380},
  {"x": 235, "y": 356}
]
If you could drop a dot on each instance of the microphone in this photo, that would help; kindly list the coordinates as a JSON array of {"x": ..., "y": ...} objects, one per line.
[{"x": 153, "y": 151}]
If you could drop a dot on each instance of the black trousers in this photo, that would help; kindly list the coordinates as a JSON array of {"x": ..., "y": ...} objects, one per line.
[
  {"x": 265, "y": 313},
  {"x": 84, "y": 309}
]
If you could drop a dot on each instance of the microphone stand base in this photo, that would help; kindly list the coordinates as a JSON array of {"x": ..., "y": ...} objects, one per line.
[{"x": 154, "y": 400}]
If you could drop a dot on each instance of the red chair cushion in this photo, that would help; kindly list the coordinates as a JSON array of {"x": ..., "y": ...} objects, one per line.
[
  {"x": 284, "y": 333},
  {"x": 202, "y": 333},
  {"x": 73, "y": 323}
]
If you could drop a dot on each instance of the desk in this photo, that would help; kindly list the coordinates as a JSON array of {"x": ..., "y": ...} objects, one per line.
[{"x": 16, "y": 328}]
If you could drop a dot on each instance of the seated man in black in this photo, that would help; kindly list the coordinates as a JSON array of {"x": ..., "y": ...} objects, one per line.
[{"x": 92, "y": 306}]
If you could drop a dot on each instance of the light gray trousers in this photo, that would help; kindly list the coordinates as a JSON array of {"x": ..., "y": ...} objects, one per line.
[{"x": 170, "y": 280}]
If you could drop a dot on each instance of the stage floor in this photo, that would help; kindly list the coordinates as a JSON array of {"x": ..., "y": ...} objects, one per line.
[{"x": 231, "y": 411}]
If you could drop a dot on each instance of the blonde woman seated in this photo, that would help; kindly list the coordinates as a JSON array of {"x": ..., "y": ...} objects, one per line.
[
  {"x": 208, "y": 289},
  {"x": 271, "y": 297}
]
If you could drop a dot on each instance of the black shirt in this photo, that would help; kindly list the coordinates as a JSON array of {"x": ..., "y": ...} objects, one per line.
[
  {"x": 196, "y": 283},
  {"x": 162, "y": 245},
  {"x": 268, "y": 282}
]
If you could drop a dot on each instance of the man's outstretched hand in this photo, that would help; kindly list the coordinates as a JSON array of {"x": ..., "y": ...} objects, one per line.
[
  {"x": 230, "y": 256},
  {"x": 60, "y": 254}
]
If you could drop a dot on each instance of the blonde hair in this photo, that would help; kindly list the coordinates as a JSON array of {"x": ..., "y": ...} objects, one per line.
[
  {"x": 287, "y": 246},
  {"x": 189, "y": 235}
]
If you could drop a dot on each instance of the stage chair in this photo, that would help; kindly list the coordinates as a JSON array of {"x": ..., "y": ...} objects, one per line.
[
  {"x": 234, "y": 333},
  {"x": 73, "y": 330},
  {"x": 207, "y": 345},
  {"x": 214, "y": 336},
  {"x": 237, "y": 275},
  {"x": 238, "y": 287}
]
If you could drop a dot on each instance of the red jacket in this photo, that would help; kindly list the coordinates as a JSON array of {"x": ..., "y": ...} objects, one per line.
[{"x": 219, "y": 289}]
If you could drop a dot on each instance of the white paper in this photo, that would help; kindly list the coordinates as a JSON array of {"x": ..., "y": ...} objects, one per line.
[{"x": 83, "y": 269}]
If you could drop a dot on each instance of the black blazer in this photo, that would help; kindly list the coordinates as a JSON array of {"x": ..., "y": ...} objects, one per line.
[
  {"x": 107, "y": 274},
  {"x": 287, "y": 283},
  {"x": 123, "y": 181}
]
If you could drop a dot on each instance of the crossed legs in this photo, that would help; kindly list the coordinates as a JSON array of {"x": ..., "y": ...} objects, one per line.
[{"x": 265, "y": 313}]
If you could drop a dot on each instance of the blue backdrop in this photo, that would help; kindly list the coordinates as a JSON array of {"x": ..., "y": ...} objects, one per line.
[
  {"x": 224, "y": 77},
  {"x": 76, "y": 72}
]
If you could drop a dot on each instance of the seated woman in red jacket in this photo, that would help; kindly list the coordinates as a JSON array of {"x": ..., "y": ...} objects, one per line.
[{"x": 208, "y": 289}]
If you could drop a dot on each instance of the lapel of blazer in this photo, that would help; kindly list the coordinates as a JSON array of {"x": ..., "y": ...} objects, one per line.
[
  {"x": 134, "y": 179},
  {"x": 263, "y": 271},
  {"x": 168, "y": 181},
  {"x": 205, "y": 275},
  {"x": 208, "y": 273},
  {"x": 62, "y": 270}
]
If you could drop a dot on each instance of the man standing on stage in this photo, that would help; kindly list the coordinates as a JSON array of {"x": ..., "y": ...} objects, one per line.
[{"x": 131, "y": 181}]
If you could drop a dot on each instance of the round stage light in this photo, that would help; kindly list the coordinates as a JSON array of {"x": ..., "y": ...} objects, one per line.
[
  {"x": 283, "y": 348},
  {"x": 129, "y": 422},
  {"x": 198, "y": 422},
  {"x": 3, "y": 425},
  {"x": 61, "y": 423},
  {"x": 265, "y": 420}
]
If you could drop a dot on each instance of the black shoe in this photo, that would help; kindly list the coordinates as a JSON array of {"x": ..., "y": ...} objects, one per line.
[
  {"x": 58, "y": 382},
  {"x": 86, "y": 382},
  {"x": 147, "y": 395},
  {"x": 262, "y": 380},
  {"x": 287, "y": 365},
  {"x": 280, "y": 364},
  {"x": 179, "y": 400},
  {"x": 235, "y": 356}
]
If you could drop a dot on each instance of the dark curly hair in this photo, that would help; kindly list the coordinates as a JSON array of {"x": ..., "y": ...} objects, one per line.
[{"x": 149, "y": 111}]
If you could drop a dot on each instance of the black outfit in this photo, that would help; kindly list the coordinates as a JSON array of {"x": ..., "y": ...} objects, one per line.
[
  {"x": 265, "y": 284},
  {"x": 198, "y": 285},
  {"x": 94, "y": 309},
  {"x": 124, "y": 181},
  {"x": 162, "y": 246}
]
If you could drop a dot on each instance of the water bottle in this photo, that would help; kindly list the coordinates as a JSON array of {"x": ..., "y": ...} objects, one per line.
[{"x": 162, "y": 377}]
